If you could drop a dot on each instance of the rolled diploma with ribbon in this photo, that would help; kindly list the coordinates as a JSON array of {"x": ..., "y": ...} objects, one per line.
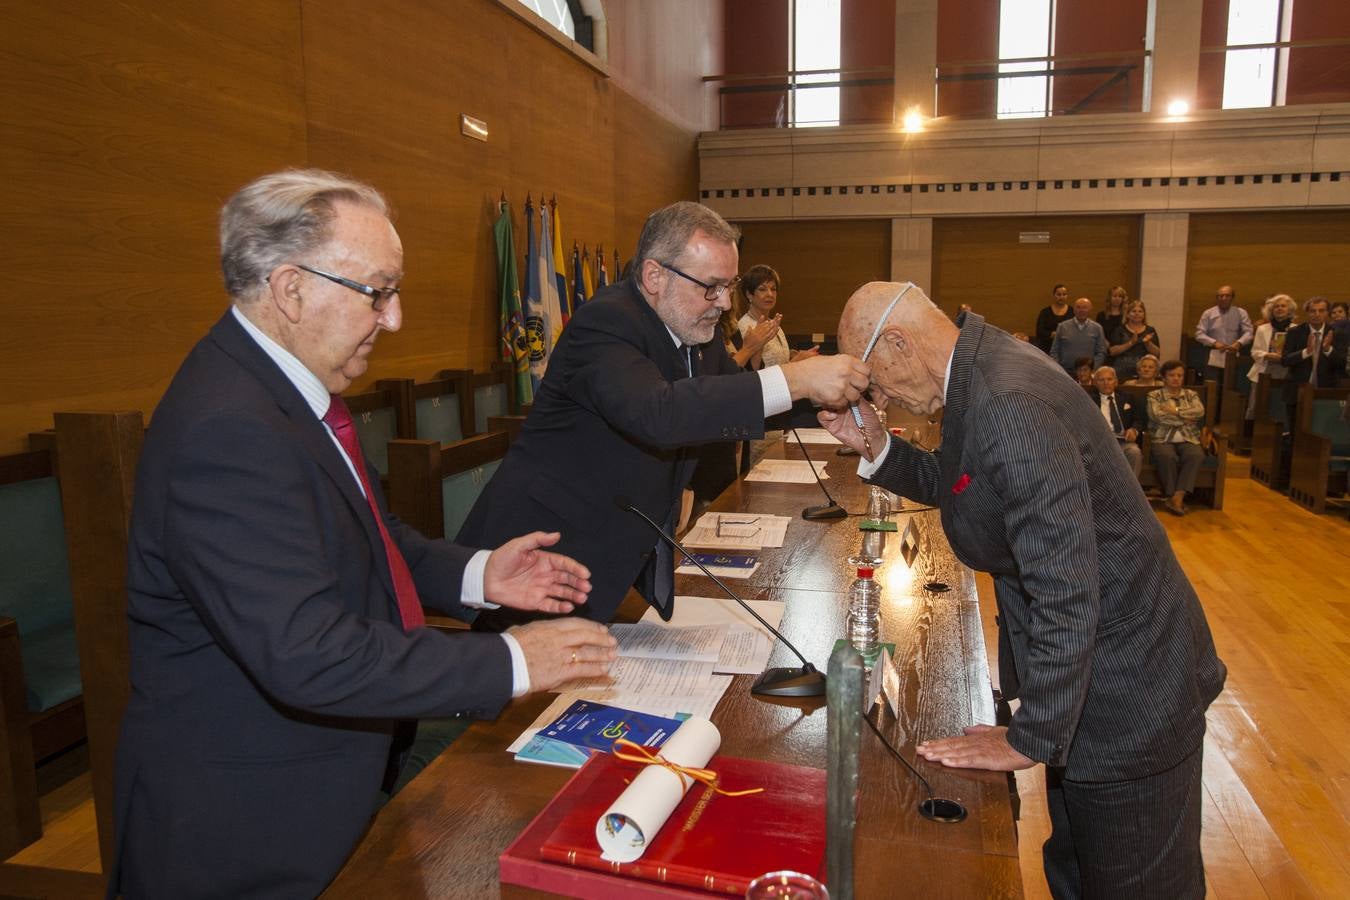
[{"x": 632, "y": 820}]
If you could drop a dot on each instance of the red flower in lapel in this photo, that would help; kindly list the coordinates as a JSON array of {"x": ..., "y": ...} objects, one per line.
[{"x": 961, "y": 484}]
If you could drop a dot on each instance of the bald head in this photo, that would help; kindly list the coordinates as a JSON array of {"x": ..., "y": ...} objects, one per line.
[
  {"x": 914, "y": 343},
  {"x": 1082, "y": 308}
]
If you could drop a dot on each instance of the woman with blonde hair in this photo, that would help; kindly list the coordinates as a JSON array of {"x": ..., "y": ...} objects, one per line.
[
  {"x": 1132, "y": 339},
  {"x": 1113, "y": 311},
  {"x": 1268, "y": 344}
]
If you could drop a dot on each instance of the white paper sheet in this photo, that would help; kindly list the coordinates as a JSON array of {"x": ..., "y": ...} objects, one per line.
[
  {"x": 812, "y": 436},
  {"x": 701, "y": 643},
  {"x": 787, "y": 471},
  {"x": 737, "y": 531},
  {"x": 747, "y": 647}
]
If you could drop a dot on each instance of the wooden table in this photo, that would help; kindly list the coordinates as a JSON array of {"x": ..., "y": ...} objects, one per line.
[{"x": 440, "y": 837}]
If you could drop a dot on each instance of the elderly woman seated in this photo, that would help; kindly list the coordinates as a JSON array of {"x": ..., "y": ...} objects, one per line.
[
  {"x": 1176, "y": 416},
  {"x": 1146, "y": 373}
]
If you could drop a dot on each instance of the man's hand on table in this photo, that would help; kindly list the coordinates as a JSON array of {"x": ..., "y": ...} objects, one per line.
[
  {"x": 521, "y": 575},
  {"x": 561, "y": 650},
  {"x": 981, "y": 747}
]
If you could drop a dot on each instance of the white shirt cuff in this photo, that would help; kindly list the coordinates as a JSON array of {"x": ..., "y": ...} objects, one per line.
[
  {"x": 777, "y": 397},
  {"x": 520, "y": 675},
  {"x": 471, "y": 590},
  {"x": 868, "y": 469}
]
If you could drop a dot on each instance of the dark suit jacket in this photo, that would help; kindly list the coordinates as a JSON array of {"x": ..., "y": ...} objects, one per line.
[
  {"x": 1330, "y": 366},
  {"x": 616, "y": 414},
  {"x": 268, "y": 662},
  {"x": 1130, "y": 414},
  {"x": 1100, "y": 634}
]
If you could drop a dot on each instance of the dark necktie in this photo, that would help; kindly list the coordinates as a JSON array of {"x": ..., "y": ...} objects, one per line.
[
  {"x": 339, "y": 418},
  {"x": 1316, "y": 357},
  {"x": 1116, "y": 425}
]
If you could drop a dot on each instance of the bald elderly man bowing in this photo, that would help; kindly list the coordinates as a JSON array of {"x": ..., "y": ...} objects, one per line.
[{"x": 1101, "y": 637}]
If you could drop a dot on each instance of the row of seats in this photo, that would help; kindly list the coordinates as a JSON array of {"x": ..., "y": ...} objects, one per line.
[{"x": 435, "y": 443}]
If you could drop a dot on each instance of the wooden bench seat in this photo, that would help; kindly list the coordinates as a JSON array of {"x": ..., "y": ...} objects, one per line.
[{"x": 1321, "y": 447}]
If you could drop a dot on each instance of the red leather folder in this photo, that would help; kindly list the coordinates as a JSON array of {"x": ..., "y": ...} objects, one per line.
[{"x": 712, "y": 844}]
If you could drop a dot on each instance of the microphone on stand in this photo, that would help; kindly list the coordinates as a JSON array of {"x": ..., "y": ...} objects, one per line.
[
  {"x": 786, "y": 681},
  {"x": 830, "y": 510}
]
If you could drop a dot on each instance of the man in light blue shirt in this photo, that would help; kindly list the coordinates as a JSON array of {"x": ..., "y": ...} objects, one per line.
[
  {"x": 1079, "y": 337},
  {"x": 1223, "y": 328}
]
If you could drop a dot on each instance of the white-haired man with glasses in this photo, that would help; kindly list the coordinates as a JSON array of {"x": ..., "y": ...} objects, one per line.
[
  {"x": 276, "y": 630},
  {"x": 640, "y": 377}
]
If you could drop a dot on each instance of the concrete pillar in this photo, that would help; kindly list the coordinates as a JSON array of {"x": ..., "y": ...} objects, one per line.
[
  {"x": 915, "y": 57},
  {"x": 1162, "y": 277},
  {"x": 912, "y": 251},
  {"x": 1173, "y": 35}
]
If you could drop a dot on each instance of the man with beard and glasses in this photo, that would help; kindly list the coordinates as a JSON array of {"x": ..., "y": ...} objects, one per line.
[{"x": 639, "y": 379}]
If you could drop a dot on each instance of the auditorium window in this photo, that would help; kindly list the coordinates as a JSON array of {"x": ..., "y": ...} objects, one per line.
[
  {"x": 556, "y": 13},
  {"x": 815, "y": 48},
  {"x": 1025, "y": 34},
  {"x": 1250, "y": 76}
]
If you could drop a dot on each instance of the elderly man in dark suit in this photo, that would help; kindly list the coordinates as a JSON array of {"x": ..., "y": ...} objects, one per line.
[
  {"x": 639, "y": 378},
  {"x": 1101, "y": 637},
  {"x": 276, "y": 626}
]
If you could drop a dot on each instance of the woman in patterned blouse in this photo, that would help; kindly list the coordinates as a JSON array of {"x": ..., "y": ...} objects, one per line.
[{"x": 1176, "y": 415}]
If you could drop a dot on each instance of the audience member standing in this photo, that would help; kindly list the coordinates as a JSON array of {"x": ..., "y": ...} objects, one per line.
[
  {"x": 1078, "y": 337},
  {"x": 1223, "y": 328},
  {"x": 1120, "y": 415},
  {"x": 1176, "y": 415},
  {"x": 1049, "y": 318},
  {"x": 1113, "y": 313},
  {"x": 1311, "y": 354},
  {"x": 761, "y": 284},
  {"x": 1340, "y": 311},
  {"x": 1268, "y": 345},
  {"x": 1132, "y": 339}
]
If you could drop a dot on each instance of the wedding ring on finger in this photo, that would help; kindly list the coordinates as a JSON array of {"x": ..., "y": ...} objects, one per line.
[{"x": 574, "y": 656}]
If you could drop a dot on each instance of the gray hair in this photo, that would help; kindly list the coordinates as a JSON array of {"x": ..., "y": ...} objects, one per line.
[
  {"x": 1269, "y": 306},
  {"x": 279, "y": 217},
  {"x": 1308, "y": 304},
  {"x": 1101, "y": 369},
  {"x": 668, "y": 230}
]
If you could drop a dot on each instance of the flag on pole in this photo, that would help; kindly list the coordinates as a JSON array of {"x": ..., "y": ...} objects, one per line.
[
  {"x": 586, "y": 272},
  {"x": 602, "y": 276},
  {"x": 560, "y": 266},
  {"x": 578, "y": 282},
  {"x": 536, "y": 323},
  {"x": 548, "y": 285},
  {"x": 616, "y": 273},
  {"x": 512, "y": 318}
]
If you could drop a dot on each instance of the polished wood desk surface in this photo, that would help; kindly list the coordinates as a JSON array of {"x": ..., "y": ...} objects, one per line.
[{"x": 441, "y": 836}]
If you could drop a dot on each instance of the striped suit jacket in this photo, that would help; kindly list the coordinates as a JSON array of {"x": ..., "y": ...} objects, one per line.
[{"x": 1101, "y": 636}]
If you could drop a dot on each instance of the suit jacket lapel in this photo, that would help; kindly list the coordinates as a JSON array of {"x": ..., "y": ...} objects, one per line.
[{"x": 230, "y": 336}]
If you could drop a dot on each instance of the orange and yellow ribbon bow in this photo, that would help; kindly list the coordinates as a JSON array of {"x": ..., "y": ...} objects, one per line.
[{"x": 648, "y": 758}]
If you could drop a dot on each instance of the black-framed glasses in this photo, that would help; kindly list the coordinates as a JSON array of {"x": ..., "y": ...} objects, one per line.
[
  {"x": 379, "y": 297},
  {"x": 711, "y": 292}
]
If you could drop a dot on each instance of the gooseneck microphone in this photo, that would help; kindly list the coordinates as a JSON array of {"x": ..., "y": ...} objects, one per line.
[
  {"x": 785, "y": 681},
  {"x": 830, "y": 510}
]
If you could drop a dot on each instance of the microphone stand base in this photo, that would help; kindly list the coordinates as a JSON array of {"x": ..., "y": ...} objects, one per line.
[
  {"x": 825, "y": 511},
  {"x": 937, "y": 809},
  {"x": 789, "y": 682}
]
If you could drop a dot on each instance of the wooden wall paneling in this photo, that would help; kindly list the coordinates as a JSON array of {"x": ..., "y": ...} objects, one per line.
[
  {"x": 1319, "y": 74},
  {"x": 126, "y": 125},
  {"x": 665, "y": 73},
  {"x": 655, "y": 163},
  {"x": 756, "y": 42},
  {"x": 867, "y": 39},
  {"x": 821, "y": 263},
  {"x": 1299, "y": 253},
  {"x": 1085, "y": 27},
  {"x": 967, "y": 30},
  {"x": 99, "y": 453},
  {"x": 981, "y": 262}
]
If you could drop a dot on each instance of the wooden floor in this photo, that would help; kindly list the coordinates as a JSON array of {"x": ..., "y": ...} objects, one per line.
[{"x": 1276, "y": 587}]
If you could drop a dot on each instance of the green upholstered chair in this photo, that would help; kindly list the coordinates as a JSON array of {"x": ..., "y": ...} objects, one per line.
[{"x": 1321, "y": 453}]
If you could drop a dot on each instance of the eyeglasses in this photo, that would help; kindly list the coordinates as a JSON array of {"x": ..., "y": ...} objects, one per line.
[
  {"x": 711, "y": 292},
  {"x": 379, "y": 297}
]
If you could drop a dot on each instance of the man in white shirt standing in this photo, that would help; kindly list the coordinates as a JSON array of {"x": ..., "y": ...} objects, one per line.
[{"x": 1224, "y": 329}]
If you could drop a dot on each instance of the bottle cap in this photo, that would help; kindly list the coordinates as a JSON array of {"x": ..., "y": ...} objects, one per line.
[{"x": 864, "y": 571}]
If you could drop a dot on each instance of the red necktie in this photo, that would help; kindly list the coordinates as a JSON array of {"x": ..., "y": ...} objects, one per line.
[{"x": 339, "y": 418}]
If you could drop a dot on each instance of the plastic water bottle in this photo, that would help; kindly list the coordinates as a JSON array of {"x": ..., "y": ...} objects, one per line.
[{"x": 864, "y": 616}]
